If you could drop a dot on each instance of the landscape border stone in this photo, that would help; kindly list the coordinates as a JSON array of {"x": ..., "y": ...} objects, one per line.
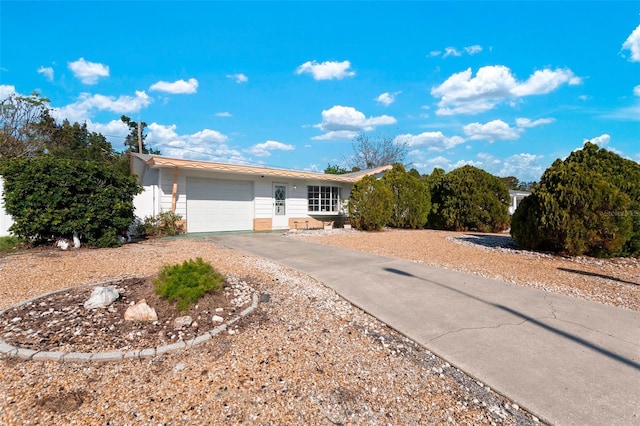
[{"x": 10, "y": 351}]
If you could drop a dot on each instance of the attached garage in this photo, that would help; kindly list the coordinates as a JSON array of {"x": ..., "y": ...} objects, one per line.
[{"x": 219, "y": 205}]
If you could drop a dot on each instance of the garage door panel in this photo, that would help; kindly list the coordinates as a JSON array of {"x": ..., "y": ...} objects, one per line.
[{"x": 219, "y": 205}]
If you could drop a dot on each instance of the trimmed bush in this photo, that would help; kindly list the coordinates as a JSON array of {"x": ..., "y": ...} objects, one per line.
[
  {"x": 469, "y": 199},
  {"x": 50, "y": 198},
  {"x": 370, "y": 204},
  {"x": 186, "y": 283},
  {"x": 587, "y": 204},
  {"x": 411, "y": 201}
]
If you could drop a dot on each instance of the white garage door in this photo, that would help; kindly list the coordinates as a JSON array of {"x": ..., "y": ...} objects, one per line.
[{"x": 219, "y": 205}]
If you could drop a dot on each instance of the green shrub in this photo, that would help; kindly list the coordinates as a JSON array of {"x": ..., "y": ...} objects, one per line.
[
  {"x": 9, "y": 244},
  {"x": 186, "y": 283},
  {"x": 370, "y": 204},
  {"x": 411, "y": 201},
  {"x": 586, "y": 204},
  {"x": 469, "y": 199},
  {"x": 165, "y": 223},
  {"x": 50, "y": 198}
]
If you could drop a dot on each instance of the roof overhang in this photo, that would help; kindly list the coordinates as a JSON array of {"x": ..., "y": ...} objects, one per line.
[{"x": 158, "y": 161}]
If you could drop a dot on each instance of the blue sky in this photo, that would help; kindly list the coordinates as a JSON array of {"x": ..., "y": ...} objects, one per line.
[{"x": 505, "y": 86}]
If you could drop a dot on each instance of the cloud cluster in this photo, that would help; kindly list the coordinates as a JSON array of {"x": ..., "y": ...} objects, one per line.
[
  {"x": 239, "y": 78},
  {"x": 88, "y": 72},
  {"x": 453, "y": 51},
  {"x": 387, "y": 98},
  {"x": 463, "y": 93},
  {"x": 345, "y": 122},
  {"x": 206, "y": 144},
  {"x": 632, "y": 43},
  {"x": 177, "y": 87},
  {"x": 498, "y": 130},
  {"x": 47, "y": 72},
  {"x": 327, "y": 70},
  {"x": 81, "y": 109},
  {"x": 264, "y": 149},
  {"x": 432, "y": 141}
]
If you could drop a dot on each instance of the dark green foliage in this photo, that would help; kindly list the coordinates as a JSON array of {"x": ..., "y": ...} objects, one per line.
[
  {"x": 50, "y": 198},
  {"x": 186, "y": 283},
  {"x": 468, "y": 199},
  {"x": 334, "y": 169},
  {"x": 586, "y": 204},
  {"x": 411, "y": 201},
  {"x": 131, "y": 141},
  {"x": 370, "y": 204}
]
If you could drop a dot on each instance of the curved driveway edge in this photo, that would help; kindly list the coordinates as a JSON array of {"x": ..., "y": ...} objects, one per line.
[{"x": 567, "y": 360}]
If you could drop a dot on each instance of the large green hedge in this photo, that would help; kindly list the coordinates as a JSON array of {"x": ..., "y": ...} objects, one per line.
[
  {"x": 586, "y": 204},
  {"x": 411, "y": 201},
  {"x": 50, "y": 198},
  {"x": 469, "y": 199},
  {"x": 370, "y": 204}
]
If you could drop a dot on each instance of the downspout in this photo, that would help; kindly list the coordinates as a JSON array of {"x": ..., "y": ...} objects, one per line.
[{"x": 174, "y": 192}]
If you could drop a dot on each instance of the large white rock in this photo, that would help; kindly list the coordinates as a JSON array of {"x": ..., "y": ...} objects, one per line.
[
  {"x": 140, "y": 312},
  {"x": 101, "y": 297},
  {"x": 181, "y": 322}
]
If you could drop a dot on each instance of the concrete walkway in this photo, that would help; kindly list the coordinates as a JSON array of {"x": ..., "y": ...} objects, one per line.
[{"x": 569, "y": 361}]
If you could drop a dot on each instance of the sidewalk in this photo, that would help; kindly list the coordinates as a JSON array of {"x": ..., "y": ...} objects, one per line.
[{"x": 567, "y": 360}]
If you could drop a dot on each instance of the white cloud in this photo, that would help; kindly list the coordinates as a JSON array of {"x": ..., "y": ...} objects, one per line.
[
  {"x": 462, "y": 93},
  {"x": 433, "y": 141},
  {"x": 239, "y": 78},
  {"x": 545, "y": 81},
  {"x": 473, "y": 50},
  {"x": 327, "y": 70},
  {"x": 47, "y": 72},
  {"x": 6, "y": 91},
  {"x": 434, "y": 53},
  {"x": 526, "y": 167},
  {"x": 387, "y": 98},
  {"x": 525, "y": 123},
  {"x": 81, "y": 109},
  {"x": 223, "y": 114},
  {"x": 338, "y": 120},
  {"x": 451, "y": 51},
  {"x": 336, "y": 135},
  {"x": 632, "y": 43},
  {"x": 601, "y": 140},
  {"x": 264, "y": 149},
  {"x": 206, "y": 144},
  {"x": 177, "y": 87},
  {"x": 636, "y": 90},
  {"x": 88, "y": 72},
  {"x": 492, "y": 131}
]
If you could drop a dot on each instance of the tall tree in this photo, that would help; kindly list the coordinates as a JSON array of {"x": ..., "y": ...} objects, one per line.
[
  {"x": 131, "y": 141},
  {"x": 21, "y": 133},
  {"x": 369, "y": 153}
]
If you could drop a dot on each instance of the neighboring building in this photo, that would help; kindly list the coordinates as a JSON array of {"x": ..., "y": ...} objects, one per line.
[
  {"x": 228, "y": 197},
  {"x": 516, "y": 197}
]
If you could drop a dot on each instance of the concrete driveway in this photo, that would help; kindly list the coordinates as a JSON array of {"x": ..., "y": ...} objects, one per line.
[{"x": 569, "y": 361}]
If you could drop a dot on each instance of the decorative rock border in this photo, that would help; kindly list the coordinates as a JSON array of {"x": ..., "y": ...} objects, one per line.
[{"x": 10, "y": 351}]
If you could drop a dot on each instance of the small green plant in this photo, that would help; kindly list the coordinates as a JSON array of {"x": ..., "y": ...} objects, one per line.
[
  {"x": 186, "y": 283},
  {"x": 9, "y": 244},
  {"x": 165, "y": 223}
]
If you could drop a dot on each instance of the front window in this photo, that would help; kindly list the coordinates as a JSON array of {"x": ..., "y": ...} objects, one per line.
[{"x": 324, "y": 199}]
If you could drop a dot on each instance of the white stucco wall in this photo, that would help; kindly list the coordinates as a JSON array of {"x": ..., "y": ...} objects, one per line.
[{"x": 5, "y": 220}]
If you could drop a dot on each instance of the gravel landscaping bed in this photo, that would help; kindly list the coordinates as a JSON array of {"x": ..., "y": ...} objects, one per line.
[{"x": 304, "y": 356}]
